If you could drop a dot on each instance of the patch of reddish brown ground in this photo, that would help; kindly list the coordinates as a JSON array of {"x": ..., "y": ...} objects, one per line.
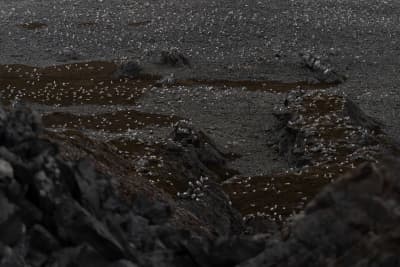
[{"x": 91, "y": 83}]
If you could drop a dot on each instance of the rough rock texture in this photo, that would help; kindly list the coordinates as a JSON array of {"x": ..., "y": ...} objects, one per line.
[
  {"x": 196, "y": 160},
  {"x": 359, "y": 118},
  {"x": 56, "y": 213},
  {"x": 204, "y": 154},
  {"x": 354, "y": 222},
  {"x": 312, "y": 125}
]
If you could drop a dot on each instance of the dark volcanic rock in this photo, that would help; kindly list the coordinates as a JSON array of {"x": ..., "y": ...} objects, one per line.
[
  {"x": 154, "y": 212},
  {"x": 290, "y": 140},
  {"x": 42, "y": 240},
  {"x": 56, "y": 213},
  {"x": 245, "y": 248},
  {"x": 353, "y": 222},
  {"x": 197, "y": 162},
  {"x": 359, "y": 118},
  {"x": 76, "y": 225},
  {"x": 203, "y": 154},
  {"x": 18, "y": 126},
  {"x": 62, "y": 214}
]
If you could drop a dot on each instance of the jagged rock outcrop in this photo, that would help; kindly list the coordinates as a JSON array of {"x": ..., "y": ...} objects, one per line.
[
  {"x": 196, "y": 161},
  {"x": 353, "y": 222},
  {"x": 317, "y": 127}
]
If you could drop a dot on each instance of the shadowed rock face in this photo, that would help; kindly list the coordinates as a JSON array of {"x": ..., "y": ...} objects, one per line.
[
  {"x": 56, "y": 213},
  {"x": 198, "y": 165},
  {"x": 353, "y": 222}
]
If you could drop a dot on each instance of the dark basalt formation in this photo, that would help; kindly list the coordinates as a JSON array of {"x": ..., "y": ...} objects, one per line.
[
  {"x": 204, "y": 154},
  {"x": 198, "y": 163},
  {"x": 354, "y": 222},
  {"x": 58, "y": 213}
]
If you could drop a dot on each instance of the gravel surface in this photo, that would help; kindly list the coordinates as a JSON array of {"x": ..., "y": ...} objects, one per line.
[{"x": 224, "y": 39}]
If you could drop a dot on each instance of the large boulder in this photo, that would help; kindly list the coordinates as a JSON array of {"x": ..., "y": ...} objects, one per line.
[{"x": 353, "y": 222}]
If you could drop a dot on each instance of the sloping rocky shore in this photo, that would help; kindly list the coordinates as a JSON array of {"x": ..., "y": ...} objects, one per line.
[{"x": 65, "y": 213}]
